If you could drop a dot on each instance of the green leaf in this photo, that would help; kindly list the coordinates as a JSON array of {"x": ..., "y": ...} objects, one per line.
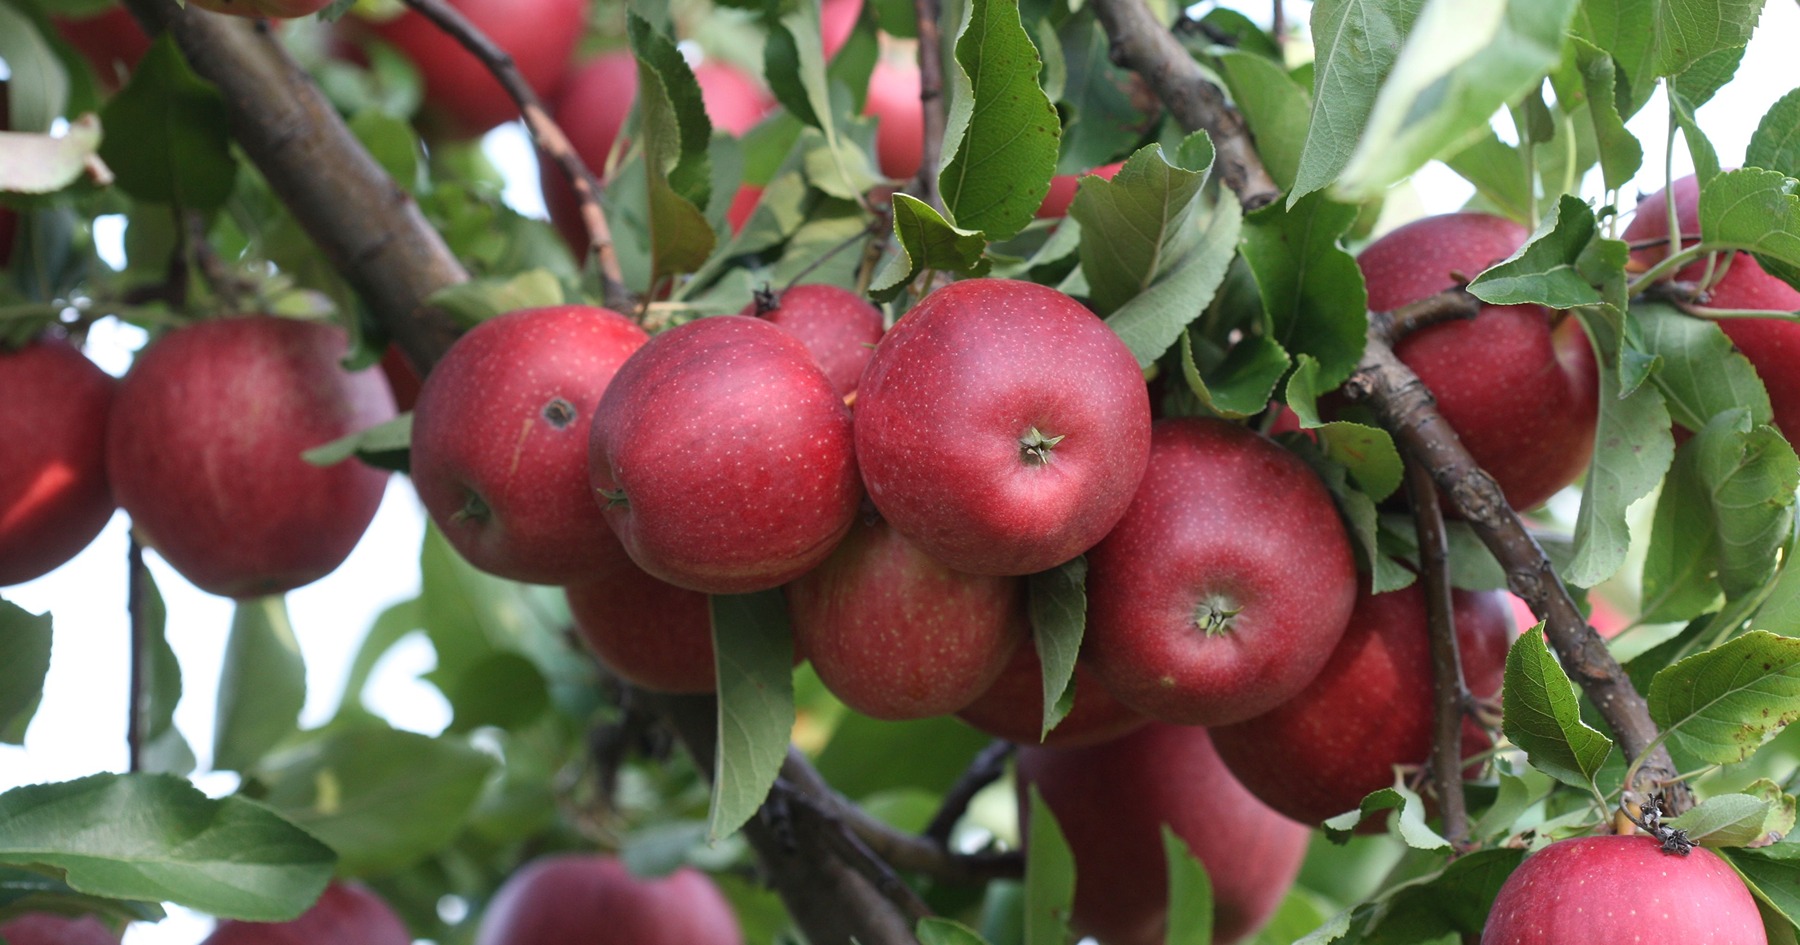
[
  {"x": 1687, "y": 31},
  {"x": 1700, "y": 148},
  {"x": 23, "y": 890},
  {"x": 1190, "y": 919},
  {"x": 391, "y": 141},
  {"x": 1450, "y": 905},
  {"x": 1058, "y": 604},
  {"x": 1735, "y": 820},
  {"x": 1679, "y": 576},
  {"x": 1498, "y": 172},
  {"x": 1310, "y": 286},
  {"x": 42, "y": 163},
  {"x": 1462, "y": 61},
  {"x": 156, "y": 838},
  {"x": 386, "y": 445},
  {"x": 927, "y": 241},
  {"x": 1151, "y": 320},
  {"x": 1621, "y": 156},
  {"x": 1701, "y": 373},
  {"x": 1719, "y": 706},
  {"x": 1411, "y": 820},
  {"x": 1276, "y": 107},
  {"x": 1367, "y": 452},
  {"x": 1749, "y": 474},
  {"x": 472, "y": 302},
  {"x": 167, "y": 137},
  {"x": 1141, "y": 223},
  {"x": 675, "y": 131},
  {"x": 1774, "y": 879},
  {"x": 1544, "y": 718},
  {"x": 505, "y": 690},
  {"x": 1698, "y": 83},
  {"x": 937, "y": 931},
  {"x": 858, "y": 760},
  {"x": 389, "y": 627},
  {"x": 1243, "y": 383},
  {"x": 37, "y": 90},
  {"x": 1049, "y": 877},
  {"x": 1781, "y": 608},
  {"x": 262, "y": 685},
  {"x": 794, "y": 62},
  {"x": 1567, "y": 263},
  {"x": 1753, "y": 209},
  {"x": 1103, "y": 118},
  {"x": 24, "y": 661},
  {"x": 382, "y": 798},
  {"x": 755, "y": 659},
  {"x": 1776, "y": 144},
  {"x": 165, "y": 751},
  {"x": 1622, "y": 29},
  {"x": 1004, "y": 129},
  {"x": 1355, "y": 43}
]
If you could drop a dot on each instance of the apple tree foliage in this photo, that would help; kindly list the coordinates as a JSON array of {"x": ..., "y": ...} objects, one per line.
[{"x": 1525, "y": 99}]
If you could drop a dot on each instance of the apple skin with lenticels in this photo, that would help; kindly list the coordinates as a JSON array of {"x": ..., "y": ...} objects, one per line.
[
  {"x": 838, "y": 326},
  {"x": 1222, "y": 591},
  {"x": 595, "y": 899},
  {"x": 1013, "y": 707},
  {"x": 1002, "y": 427},
  {"x": 653, "y": 634}
]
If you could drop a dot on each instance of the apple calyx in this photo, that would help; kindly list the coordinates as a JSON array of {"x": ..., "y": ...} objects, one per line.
[
  {"x": 474, "y": 508},
  {"x": 559, "y": 413},
  {"x": 766, "y": 300},
  {"x": 613, "y": 497},
  {"x": 1215, "y": 615},
  {"x": 1035, "y": 447}
]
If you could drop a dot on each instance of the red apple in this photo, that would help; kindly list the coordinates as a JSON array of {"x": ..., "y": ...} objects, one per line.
[
  {"x": 723, "y": 457},
  {"x": 837, "y": 19},
  {"x": 895, "y": 634},
  {"x": 1223, "y": 590},
  {"x": 838, "y": 326},
  {"x": 283, "y": 9},
  {"x": 54, "y": 496},
  {"x": 1002, "y": 427},
  {"x": 1013, "y": 707},
  {"x": 44, "y": 928},
  {"x": 734, "y": 101},
  {"x": 1587, "y": 890},
  {"x": 1520, "y": 388},
  {"x": 1649, "y": 227},
  {"x": 499, "y": 443},
  {"x": 402, "y": 378},
  {"x": 651, "y": 633},
  {"x": 1602, "y": 616},
  {"x": 346, "y": 914},
  {"x": 899, "y": 117},
  {"x": 596, "y": 900},
  {"x": 1111, "y": 801},
  {"x": 1318, "y": 754},
  {"x": 203, "y": 450},
  {"x": 1063, "y": 187},
  {"x": 539, "y": 34},
  {"x": 111, "y": 41},
  {"x": 743, "y": 204}
]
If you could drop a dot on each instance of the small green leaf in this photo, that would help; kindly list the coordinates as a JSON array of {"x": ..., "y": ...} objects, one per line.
[
  {"x": 1499, "y": 173},
  {"x": 1450, "y": 905},
  {"x": 478, "y": 300},
  {"x": 386, "y": 445},
  {"x": 1311, "y": 288},
  {"x": 1243, "y": 383},
  {"x": 939, "y": 931},
  {"x": 1680, "y": 578},
  {"x": 755, "y": 658},
  {"x": 165, "y": 751},
  {"x": 1621, "y": 155},
  {"x": 1355, "y": 45},
  {"x": 389, "y": 627},
  {"x": 1411, "y": 820},
  {"x": 1097, "y": 97},
  {"x": 1687, "y": 31},
  {"x": 1698, "y": 83},
  {"x": 927, "y": 241},
  {"x": 23, "y": 890},
  {"x": 37, "y": 90},
  {"x": 167, "y": 136},
  {"x": 24, "y": 661},
  {"x": 1543, "y": 717},
  {"x": 1151, "y": 320},
  {"x": 857, "y": 761},
  {"x": 1755, "y": 210},
  {"x": 1719, "y": 706},
  {"x": 1001, "y": 131},
  {"x": 1774, "y": 879},
  {"x": 262, "y": 685},
  {"x": 1190, "y": 919},
  {"x": 1275, "y": 106},
  {"x": 391, "y": 141},
  {"x": 1567, "y": 263},
  {"x": 1058, "y": 604},
  {"x": 1049, "y": 877},
  {"x": 676, "y": 132},
  {"x": 1749, "y": 474},
  {"x": 1367, "y": 452},
  {"x": 1781, "y": 608},
  {"x": 1700, "y": 147},
  {"x": 156, "y": 838},
  {"x": 505, "y": 690},
  {"x": 1735, "y": 820},
  {"x": 1141, "y": 223},
  {"x": 1776, "y": 144},
  {"x": 1701, "y": 372}
]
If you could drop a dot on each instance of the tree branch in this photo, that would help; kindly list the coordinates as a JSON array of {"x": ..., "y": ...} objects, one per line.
[
  {"x": 931, "y": 99},
  {"x": 547, "y": 135},
  {"x": 1449, "y": 695},
  {"x": 1144, "y": 45},
  {"x": 137, "y": 703},
  {"x": 984, "y": 769}
]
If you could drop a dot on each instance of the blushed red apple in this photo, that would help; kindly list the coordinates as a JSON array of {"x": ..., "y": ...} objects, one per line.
[
  {"x": 1518, "y": 383},
  {"x": 1318, "y": 754},
  {"x": 1222, "y": 591},
  {"x": 1587, "y": 890},
  {"x": 1111, "y": 801},
  {"x": 895, "y": 634},
  {"x": 1602, "y": 616},
  {"x": 1002, "y": 427},
  {"x": 54, "y": 494},
  {"x": 653, "y": 634},
  {"x": 838, "y": 326},
  {"x": 346, "y": 914},
  {"x": 837, "y": 18},
  {"x": 1063, "y": 187},
  {"x": 724, "y": 459},
  {"x": 499, "y": 443},
  {"x": 1013, "y": 707},
  {"x": 203, "y": 450},
  {"x": 899, "y": 115},
  {"x": 596, "y": 900},
  {"x": 44, "y": 928}
]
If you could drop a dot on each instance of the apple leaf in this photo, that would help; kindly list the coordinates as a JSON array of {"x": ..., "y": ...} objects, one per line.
[
  {"x": 1360, "y": 517},
  {"x": 37, "y": 91},
  {"x": 1411, "y": 819},
  {"x": 1151, "y": 320},
  {"x": 24, "y": 661},
  {"x": 939, "y": 931},
  {"x": 754, "y": 650},
  {"x": 1719, "y": 706},
  {"x": 1622, "y": 30},
  {"x": 1453, "y": 903},
  {"x": 856, "y": 760},
  {"x": 1543, "y": 715},
  {"x": 1367, "y": 452},
  {"x": 389, "y": 627},
  {"x": 386, "y": 445},
  {"x": 165, "y": 751},
  {"x": 1004, "y": 129},
  {"x": 1498, "y": 173},
  {"x": 229, "y": 857},
  {"x": 676, "y": 132},
  {"x": 1748, "y": 474},
  {"x": 1355, "y": 45},
  {"x": 927, "y": 241},
  {"x": 1781, "y": 607},
  {"x": 505, "y": 690},
  {"x": 1773, "y": 875},
  {"x": 1514, "y": 797},
  {"x": 1096, "y": 95},
  {"x": 1311, "y": 288},
  {"x": 1735, "y": 820},
  {"x": 1058, "y": 605},
  {"x": 836, "y": 166},
  {"x": 1243, "y": 383},
  {"x": 1567, "y": 263},
  {"x": 1632, "y": 450},
  {"x": 1679, "y": 577},
  {"x": 1138, "y": 225},
  {"x": 23, "y": 890},
  {"x": 1591, "y": 84},
  {"x": 1754, "y": 210},
  {"x": 262, "y": 685},
  {"x": 167, "y": 137},
  {"x": 381, "y": 797},
  {"x": 1190, "y": 920},
  {"x": 1687, "y": 31},
  {"x": 1049, "y": 877},
  {"x": 1276, "y": 108},
  {"x": 1699, "y": 82},
  {"x": 477, "y": 300},
  {"x": 470, "y": 615},
  {"x": 1701, "y": 373},
  {"x": 1776, "y": 144},
  {"x": 794, "y": 63},
  {"x": 1700, "y": 147},
  {"x": 1463, "y": 59}
]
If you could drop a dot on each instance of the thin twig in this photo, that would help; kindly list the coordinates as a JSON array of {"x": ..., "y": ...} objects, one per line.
[
  {"x": 1278, "y": 26},
  {"x": 1449, "y": 695},
  {"x": 984, "y": 769},
  {"x": 547, "y": 135},
  {"x": 137, "y": 722},
  {"x": 931, "y": 99}
]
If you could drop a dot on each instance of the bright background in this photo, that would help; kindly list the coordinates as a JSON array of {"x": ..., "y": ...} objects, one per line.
[{"x": 79, "y": 728}]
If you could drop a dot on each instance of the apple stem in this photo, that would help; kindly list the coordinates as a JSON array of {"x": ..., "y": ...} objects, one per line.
[{"x": 1035, "y": 447}]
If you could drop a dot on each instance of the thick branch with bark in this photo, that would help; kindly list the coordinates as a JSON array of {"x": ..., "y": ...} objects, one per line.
[{"x": 1449, "y": 696}]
